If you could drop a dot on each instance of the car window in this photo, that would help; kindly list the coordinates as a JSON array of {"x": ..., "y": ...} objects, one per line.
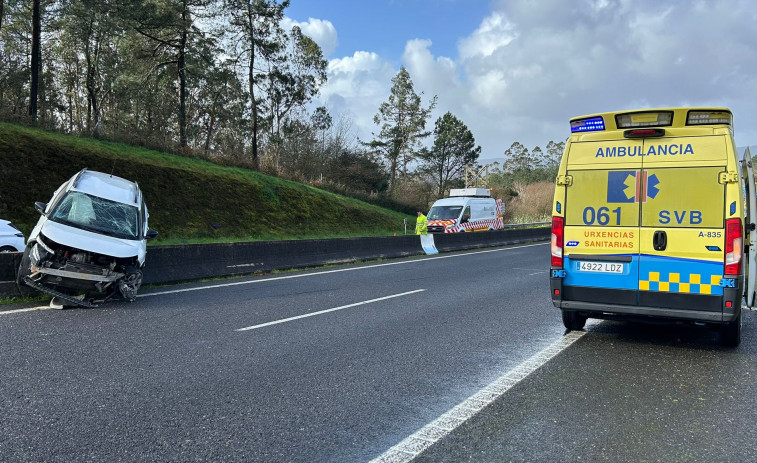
[{"x": 96, "y": 214}]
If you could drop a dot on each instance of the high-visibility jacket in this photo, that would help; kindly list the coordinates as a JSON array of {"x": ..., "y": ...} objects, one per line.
[{"x": 420, "y": 225}]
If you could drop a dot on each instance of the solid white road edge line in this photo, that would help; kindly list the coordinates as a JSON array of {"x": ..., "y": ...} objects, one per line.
[
  {"x": 28, "y": 309},
  {"x": 284, "y": 320},
  {"x": 350, "y": 269},
  {"x": 415, "y": 444}
]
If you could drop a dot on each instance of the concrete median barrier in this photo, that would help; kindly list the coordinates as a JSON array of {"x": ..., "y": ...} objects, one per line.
[{"x": 169, "y": 264}]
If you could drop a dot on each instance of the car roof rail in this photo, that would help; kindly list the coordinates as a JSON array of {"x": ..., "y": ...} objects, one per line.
[{"x": 78, "y": 176}]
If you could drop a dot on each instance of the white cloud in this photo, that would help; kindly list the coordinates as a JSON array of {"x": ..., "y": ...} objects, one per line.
[
  {"x": 321, "y": 31},
  {"x": 357, "y": 85},
  {"x": 434, "y": 76},
  {"x": 494, "y": 33},
  {"x": 529, "y": 67}
]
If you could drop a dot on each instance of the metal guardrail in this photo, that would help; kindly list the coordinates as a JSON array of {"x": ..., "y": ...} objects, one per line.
[{"x": 528, "y": 225}]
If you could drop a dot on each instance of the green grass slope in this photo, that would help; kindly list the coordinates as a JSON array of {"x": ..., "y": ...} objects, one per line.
[{"x": 184, "y": 196}]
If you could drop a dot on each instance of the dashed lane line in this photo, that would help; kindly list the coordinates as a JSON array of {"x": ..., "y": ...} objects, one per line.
[{"x": 321, "y": 312}]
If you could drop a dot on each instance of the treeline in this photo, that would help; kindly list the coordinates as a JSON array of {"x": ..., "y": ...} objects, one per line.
[
  {"x": 224, "y": 80},
  {"x": 209, "y": 76}
]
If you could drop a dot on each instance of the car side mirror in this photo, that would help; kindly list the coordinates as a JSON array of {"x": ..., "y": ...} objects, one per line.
[
  {"x": 40, "y": 207},
  {"x": 151, "y": 234}
]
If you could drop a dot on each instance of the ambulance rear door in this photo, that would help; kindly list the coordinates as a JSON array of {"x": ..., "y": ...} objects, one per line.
[
  {"x": 602, "y": 222},
  {"x": 683, "y": 216},
  {"x": 750, "y": 260}
]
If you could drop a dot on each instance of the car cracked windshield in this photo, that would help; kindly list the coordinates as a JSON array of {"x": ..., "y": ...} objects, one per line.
[
  {"x": 444, "y": 212},
  {"x": 96, "y": 214}
]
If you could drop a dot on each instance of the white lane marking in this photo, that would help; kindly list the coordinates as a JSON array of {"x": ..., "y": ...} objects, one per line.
[
  {"x": 415, "y": 444},
  {"x": 538, "y": 273},
  {"x": 28, "y": 309},
  {"x": 284, "y": 320},
  {"x": 350, "y": 269}
]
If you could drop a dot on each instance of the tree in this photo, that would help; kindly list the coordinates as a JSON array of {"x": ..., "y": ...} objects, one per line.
[
  {"x": 357, "y": 172},
  {"x": 294, "y": 81},
  {"x": 220, "y": 106},
  {"x": 403, "y": 125},
  {"x": 518, "y": 160},
  {"x": 36, "y": 61},
  {"x": 259, "y": 24},
  {"x": 90, "y": 27},
  {"x": 554, "y": 154},
  {"x": 454, "y": 148},
  {"x": 170, "y": 24}
]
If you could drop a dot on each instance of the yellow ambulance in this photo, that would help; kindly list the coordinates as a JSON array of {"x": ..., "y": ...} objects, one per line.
[{"x": 649, "y": 219}]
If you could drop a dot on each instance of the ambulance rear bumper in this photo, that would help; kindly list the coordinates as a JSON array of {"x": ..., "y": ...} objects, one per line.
[{"x": 710, "y": 309}]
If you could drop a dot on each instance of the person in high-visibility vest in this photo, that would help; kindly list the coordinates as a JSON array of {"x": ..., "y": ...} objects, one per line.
[{"x": 420, "y": 224}]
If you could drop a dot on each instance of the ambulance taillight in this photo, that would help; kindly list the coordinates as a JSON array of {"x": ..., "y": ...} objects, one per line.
[
  {"x": 734, "y": 239},
  {"x": 558, "y": 232}
]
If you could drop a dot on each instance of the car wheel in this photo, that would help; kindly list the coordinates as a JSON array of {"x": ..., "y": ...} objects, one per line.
[
  {"x": 24, "y": 270},
  {"x": 573, "y": 320},
  {"x": 7, "y": 249},
  {"x": 129, "y": 284},
  {"x": 730, "y": 334}
]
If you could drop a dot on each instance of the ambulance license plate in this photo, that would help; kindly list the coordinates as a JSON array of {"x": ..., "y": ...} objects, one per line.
[{"x": 600, "y": 267}]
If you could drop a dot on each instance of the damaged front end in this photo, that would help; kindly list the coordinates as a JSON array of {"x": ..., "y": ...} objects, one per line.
[
  {"x": 91, "y": 237},
  {"x": 58, "y": 269}
]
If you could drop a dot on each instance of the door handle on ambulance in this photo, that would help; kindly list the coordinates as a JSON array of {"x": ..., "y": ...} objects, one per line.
[{"x": 660, "y": 240}]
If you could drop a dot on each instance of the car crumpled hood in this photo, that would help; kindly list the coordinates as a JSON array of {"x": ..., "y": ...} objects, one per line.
[{"x": 92, "y": 242}]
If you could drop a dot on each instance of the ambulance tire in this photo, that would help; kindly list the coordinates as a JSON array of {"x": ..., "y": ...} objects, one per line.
[
  {"x": 573, "y": 321},
  {"x": 730, "y": 334}
]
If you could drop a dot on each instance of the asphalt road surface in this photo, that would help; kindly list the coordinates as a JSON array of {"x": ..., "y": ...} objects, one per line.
[{"x": 341, "y": 364}]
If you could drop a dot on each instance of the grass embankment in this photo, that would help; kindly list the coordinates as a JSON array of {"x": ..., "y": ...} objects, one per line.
[{"x": 189, "y": 200}]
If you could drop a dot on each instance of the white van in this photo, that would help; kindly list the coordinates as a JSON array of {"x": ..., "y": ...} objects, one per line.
[{"x": 466, "y": 210}]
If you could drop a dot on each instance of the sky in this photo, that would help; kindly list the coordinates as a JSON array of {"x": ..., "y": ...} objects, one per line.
[{"x": 518, "y": 70}]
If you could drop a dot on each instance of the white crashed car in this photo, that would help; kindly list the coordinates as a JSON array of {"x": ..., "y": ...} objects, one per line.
[
  {"x": 91, "y": 236},
  {"x": 11, "y": 238}
]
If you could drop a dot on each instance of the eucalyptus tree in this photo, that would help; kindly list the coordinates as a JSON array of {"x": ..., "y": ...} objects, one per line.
[
  {"x": 91, "y": 31},
  {"x": 15, "y": 37},
  {"x": 256, "y": 26},
  {"x": 295, "y": 80},
  {"x": 171, "y": 26},
  {"x": 218, "y": 113}
]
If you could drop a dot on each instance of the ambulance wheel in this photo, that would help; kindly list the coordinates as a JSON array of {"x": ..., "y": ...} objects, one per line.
[
  {"x": 573, "y": 320},
  {"x": 730, "y": 334}
]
